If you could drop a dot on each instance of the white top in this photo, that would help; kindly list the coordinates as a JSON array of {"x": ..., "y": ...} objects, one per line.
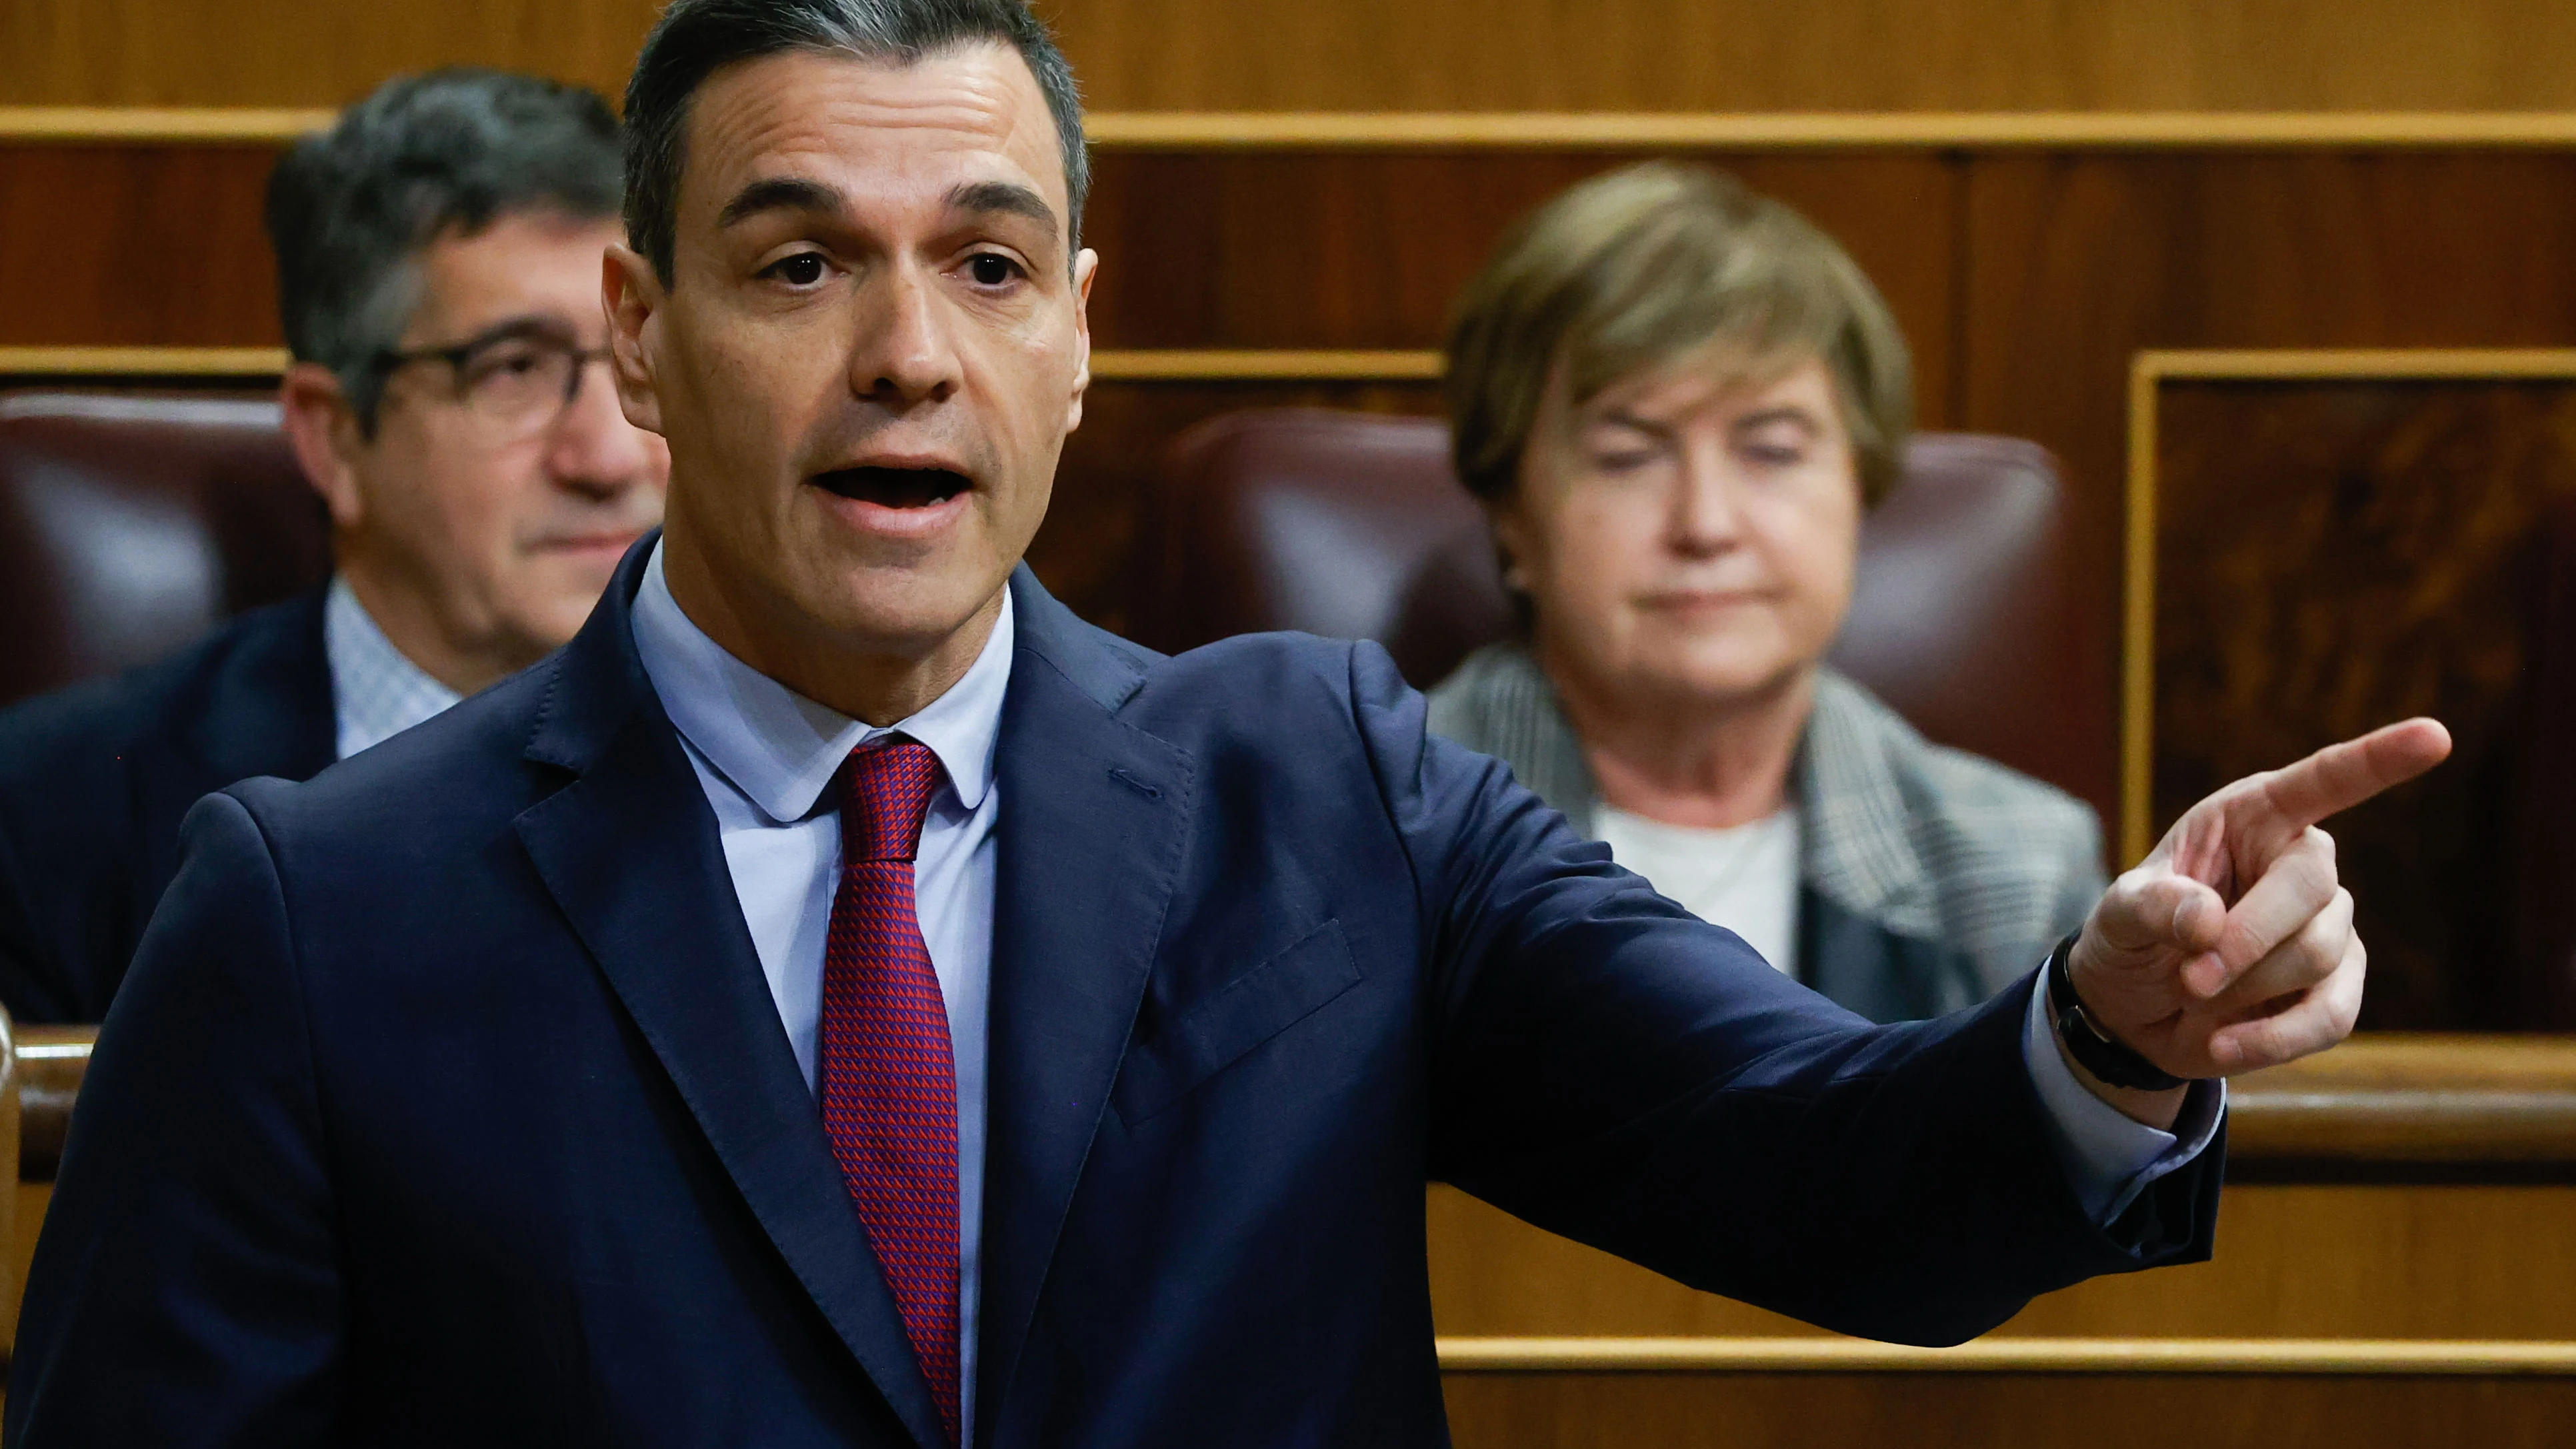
[
  {"x": 764, "y": 756},
  {"x": 1744, "y": 877},
  {"x": 376, "y": 691}
]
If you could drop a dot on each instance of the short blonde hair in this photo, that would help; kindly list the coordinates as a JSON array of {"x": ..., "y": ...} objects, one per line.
[{"x": 1643, "y": 268}]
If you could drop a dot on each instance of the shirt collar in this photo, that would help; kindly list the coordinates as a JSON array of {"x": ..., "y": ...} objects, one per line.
[
  {"x": 376, "y": 691},
  {"x": 780, "y": 749}
]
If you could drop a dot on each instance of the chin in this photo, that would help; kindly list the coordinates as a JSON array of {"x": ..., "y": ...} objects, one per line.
[
  {"x": 1722, "y": 677},
  {"x": 906, "y": 608}
]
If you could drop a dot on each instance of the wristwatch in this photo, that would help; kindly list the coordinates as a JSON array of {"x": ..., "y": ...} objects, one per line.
[{"x": 2096, "y": 1050}]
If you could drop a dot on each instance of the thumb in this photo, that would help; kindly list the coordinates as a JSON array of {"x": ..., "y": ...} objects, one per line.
[{"x": 2153, "y": 911}]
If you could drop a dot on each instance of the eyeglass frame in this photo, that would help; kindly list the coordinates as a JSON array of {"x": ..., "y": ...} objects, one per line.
[{"x": 390, "y": 361}]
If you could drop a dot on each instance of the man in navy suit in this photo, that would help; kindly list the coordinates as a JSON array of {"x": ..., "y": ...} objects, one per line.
[
  {"x": 438, "y": 257},
  {"x": 843, "y": 999}
]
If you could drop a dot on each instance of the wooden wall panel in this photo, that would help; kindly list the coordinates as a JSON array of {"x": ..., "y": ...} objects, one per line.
[
  {"x": 1824, "y": 55},
  {"x": 260, "y": 53},
  {"x": 2393, "y": 1261},
  {"x": 2335, "y": 554},
  {"x": 2003, "y": 1411},
  {"x": 1708, "y": 55},
  {"x": 2076, "y": 262},
  {"x": 1366, "y": 249},
  {"x": 135, "y": 246}
]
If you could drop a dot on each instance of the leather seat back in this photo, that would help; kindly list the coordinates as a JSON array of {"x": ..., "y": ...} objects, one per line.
[
  {"x": 1352, "y": 525},
  {"x": 131, "y": 524}
]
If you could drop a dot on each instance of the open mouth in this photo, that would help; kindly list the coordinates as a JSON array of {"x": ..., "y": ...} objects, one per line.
[{"x": 894, "y": 487}]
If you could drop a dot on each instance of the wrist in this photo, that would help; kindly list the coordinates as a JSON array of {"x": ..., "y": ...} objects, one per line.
[
  {"x": 2101, "y": 1059},
  {"x": 2159, "y": 1109}
]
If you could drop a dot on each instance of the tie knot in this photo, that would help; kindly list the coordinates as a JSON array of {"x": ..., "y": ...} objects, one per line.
[{"x": 885, "y": 792}]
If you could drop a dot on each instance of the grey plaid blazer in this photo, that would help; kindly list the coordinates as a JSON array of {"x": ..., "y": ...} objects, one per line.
[{"x": 1932, "y": 878}]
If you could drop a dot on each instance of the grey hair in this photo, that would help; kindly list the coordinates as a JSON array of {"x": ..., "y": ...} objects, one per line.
[
  {"x": 696, "y": 38},
  {"x": 350, "y": 209}
]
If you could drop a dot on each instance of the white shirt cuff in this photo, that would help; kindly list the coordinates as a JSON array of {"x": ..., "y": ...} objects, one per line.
[{"x": 2110, "y": 1157}]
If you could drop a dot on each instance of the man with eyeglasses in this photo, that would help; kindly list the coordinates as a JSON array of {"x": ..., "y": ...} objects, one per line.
[{"x": 439, "y": 254}]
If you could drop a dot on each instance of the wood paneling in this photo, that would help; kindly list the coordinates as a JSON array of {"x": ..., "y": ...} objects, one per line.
[
  {"x": 258, "y": 53},
  {"x": 2475, "y": 1259},
  {"x": 2003, "y": 1411},
  {"x": 2335, "y": 554},
  {"x": 149, "y": 245},
  {"x": 2398, "y": 1261},
  {"x": 2077, "y": 262},
  {"x": 1366, "y": 249},
  {"x": 1825, "y": 55},
  {"x": 1725, "y": 55}
]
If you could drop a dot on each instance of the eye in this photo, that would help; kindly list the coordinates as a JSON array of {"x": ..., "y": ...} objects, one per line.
[
  {"x": 803, "y": 269},
  {"x": 992, "y": 269},
  {"x": 1624, "y": 460}
]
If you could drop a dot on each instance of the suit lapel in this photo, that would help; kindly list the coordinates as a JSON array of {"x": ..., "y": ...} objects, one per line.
[
  {"x": 630, "y": 853},
  {"x": 1094, "y": 816}
]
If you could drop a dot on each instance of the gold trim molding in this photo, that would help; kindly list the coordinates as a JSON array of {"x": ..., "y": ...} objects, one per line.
[
  {"x": 2281, "y": 1356},
  {"x": 1145, "y": 130},
  {"x": 2148, "y": 372},
  {"x": 1133, "y": 365},
  {"x": 242, "y": 362},
  {"x": 1443, "y": 130},
  {"x": 1263, "y": 365},
  {"x": 147, "y": 124}
]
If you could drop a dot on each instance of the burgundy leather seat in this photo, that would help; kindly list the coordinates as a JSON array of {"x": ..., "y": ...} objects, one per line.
[
  {"x": 132, "y": 524},
  {"x": 1351, "y": 525}
]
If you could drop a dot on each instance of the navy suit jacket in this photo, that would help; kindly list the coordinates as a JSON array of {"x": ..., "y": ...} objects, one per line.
[
  {"x": 447, "y": 1103},
  {"x": 94, "y": 780}
]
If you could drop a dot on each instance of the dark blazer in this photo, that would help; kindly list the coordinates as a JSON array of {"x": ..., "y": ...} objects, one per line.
[
  {"x": 447, "y": 1102},
  {"x": 94, "y": 780},
  {"x": 1930, "y": 878}
]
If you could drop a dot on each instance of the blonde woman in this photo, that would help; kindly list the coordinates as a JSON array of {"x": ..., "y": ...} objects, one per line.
[{"x": 1675, "y": 399}]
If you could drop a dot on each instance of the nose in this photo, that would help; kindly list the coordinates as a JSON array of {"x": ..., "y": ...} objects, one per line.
[
  {"x": 1707, "y": 512},
  {"x": 593, "y": 450},
  {"x": 905, "y": 354}
]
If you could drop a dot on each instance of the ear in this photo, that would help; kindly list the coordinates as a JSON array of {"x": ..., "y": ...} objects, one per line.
[
  {"x": 323, "y": 430},
  {"x": 631, "y": 294},
  {"x": 1514, "y": 535},
  {"x": 1086, "y": 265}
]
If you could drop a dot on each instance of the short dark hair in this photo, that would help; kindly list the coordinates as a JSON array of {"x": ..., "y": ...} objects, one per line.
[
  {"x": 351, "y": 208},
  {"x": 696, "y": 38}
]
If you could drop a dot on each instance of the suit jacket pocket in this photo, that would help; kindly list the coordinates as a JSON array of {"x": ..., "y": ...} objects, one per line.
[{"x": 1206, "y": 1037}]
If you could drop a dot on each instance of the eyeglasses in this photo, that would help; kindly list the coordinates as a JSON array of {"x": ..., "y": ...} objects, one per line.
[{"x": 515, "y": 380}]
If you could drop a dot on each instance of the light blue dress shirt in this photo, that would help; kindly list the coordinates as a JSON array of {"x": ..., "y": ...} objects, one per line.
[
  {"x": 376, "y": 691},
  {"x": 764, "y": 756}
]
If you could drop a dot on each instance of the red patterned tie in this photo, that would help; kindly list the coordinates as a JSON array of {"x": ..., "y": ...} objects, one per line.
[{"x": 889, "y": 1081}]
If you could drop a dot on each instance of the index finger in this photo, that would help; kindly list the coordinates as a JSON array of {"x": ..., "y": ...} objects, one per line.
[{"x": 2339, "y": 777}]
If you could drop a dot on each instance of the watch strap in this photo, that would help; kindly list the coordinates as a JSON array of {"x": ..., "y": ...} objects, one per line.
[{"x": 2096, "y": 1050}]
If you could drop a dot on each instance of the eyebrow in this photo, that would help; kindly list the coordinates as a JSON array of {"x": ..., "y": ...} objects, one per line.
[
  {"x": 1009, "y": 198},
  {"x": 1797, "y": 413},
  {"x": 779, "y": 193},
  {"x": 509, "y": 329},
  {"x": 1783, "y": 413},
  {"x": 1622, "y": 418}
]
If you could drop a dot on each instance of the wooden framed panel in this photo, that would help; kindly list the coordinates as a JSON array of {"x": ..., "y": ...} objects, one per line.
[
  {"x": 2319, "y": 542},
  {"x": 2104, "y": 1410}
]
